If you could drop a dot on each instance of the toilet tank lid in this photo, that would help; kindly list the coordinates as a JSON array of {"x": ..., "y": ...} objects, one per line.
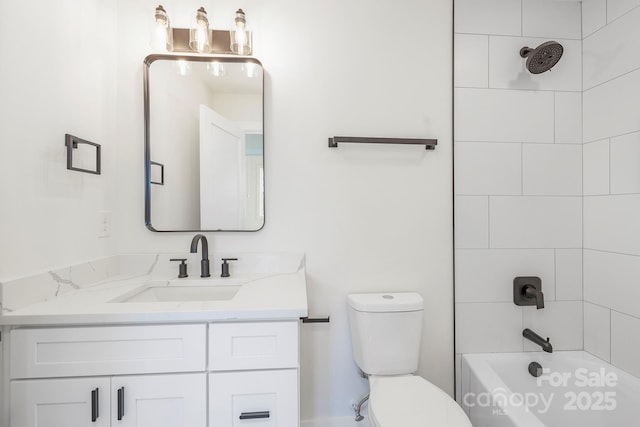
[{"x": 386, "y": 302}]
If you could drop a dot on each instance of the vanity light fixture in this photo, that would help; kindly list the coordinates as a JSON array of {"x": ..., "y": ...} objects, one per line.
[
  {"x": 162, "y": 36},
  {"x": 241, "y": 43},
  {"x": 199, "y": 35},
  {"x": 201, "y": 38}
]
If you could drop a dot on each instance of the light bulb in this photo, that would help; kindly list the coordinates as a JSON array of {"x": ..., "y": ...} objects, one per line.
[
  {"x": 241, "y": 43},
  {"x": 162, "y": 35},
  {"x": 199, "y": 38}
]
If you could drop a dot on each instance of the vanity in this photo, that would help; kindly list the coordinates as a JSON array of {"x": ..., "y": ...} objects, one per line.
[
  {"x": 127, "y": 341},
  {"x": 154, "y": 350}
]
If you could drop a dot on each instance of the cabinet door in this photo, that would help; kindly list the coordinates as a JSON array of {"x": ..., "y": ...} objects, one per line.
[
  {"x": 254, "y": 398},
  {"x": 81, "y": 402},
  {"x": 159, "y": 401}
]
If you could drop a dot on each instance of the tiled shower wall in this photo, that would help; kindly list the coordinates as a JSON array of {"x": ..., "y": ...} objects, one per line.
[
  {"x": 518, "y": 174},
  {"x": 612, "y": 181}
]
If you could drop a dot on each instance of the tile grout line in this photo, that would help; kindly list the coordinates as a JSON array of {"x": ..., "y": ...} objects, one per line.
[
  {"x": 489, "y": 222},
  {"x": 609, "y": 146},
  {"x": 555, "y": 274},
  {"x": 488, "y": 61},
  {"x": 522, "y": 169}
]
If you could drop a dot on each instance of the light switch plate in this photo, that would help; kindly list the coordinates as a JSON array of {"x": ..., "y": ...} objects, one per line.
[{"x": 104, "y": 223}]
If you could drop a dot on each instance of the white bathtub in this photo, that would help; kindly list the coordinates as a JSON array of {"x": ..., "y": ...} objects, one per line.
[{"x": 575, "y": 389}]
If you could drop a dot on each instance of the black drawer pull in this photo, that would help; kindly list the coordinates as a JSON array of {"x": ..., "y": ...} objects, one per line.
[
  {"x": 254, "y": 415},
  {"x": 95, "y": 408},
  {"x": 120, "y": 403}
]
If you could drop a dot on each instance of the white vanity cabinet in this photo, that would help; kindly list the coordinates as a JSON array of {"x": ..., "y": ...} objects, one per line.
[
  {"x": 127, "y": 401},
  {"x": 61, "y": 402},
  {"x": 196, "y": 375}
]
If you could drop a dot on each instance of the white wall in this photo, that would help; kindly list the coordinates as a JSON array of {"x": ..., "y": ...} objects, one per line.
[
  {"x": 57, "y": 76},
  {"x": 518, "y": 170},
  {"x": 612, "y": 181},
  {"x": 369, "y": 218}
]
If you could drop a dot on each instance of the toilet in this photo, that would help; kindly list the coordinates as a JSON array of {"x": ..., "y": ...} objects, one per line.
[{"x": 385, "y": 335}]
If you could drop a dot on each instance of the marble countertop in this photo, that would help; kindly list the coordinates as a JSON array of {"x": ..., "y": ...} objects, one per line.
[{"x": 266, "y": 296}]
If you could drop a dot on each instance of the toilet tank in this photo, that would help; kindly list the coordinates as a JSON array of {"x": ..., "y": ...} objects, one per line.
[{"x": 385, "y": 331}]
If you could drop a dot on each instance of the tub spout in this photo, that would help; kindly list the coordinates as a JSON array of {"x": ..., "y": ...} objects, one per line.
[{"x": 537, "y": 339}]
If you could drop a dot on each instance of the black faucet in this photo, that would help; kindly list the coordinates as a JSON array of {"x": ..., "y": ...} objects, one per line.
[
  {"x": 537, "y": 339},
  {"x": 204, "y": 264}
]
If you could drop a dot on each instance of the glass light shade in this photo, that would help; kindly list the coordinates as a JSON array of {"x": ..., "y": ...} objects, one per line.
[
  {"x": 199, "y": 35},
  {"x": 240, "y": 38},
  {"x": 162, "y": 34},
  {"x": 241, "y": 42},
  {"x": 250, "y": 69},
  {"x": 183, "y": 67},
  {"x": 216, "y": 69}
]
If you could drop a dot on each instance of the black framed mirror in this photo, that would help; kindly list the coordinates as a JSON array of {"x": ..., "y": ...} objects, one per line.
[{"x": 204, "y": 123}]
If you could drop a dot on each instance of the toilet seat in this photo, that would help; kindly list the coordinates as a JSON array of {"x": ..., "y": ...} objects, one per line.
[{"x": 412, "y": 401}]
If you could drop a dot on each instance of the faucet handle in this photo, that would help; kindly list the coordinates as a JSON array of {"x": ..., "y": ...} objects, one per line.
[
  {"x": 528, "y": 291},
  {"x": 532, "y": 292},
  {"x": 225, "y": 266},
  {"x": 182, "y": 267}
]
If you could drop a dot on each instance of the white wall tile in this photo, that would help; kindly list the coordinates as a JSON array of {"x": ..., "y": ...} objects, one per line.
[
  {"x": 594, "y": 16},
  {"x": 597, "y": 331},
  {"x": 503, "y": 115},
  {"x": 487, "y": 275},
  {"x": 611, "y": 109},
  {"x": 561, "y": 321},
  {"x": 472, "y": 221},
  {"x": 610, "y": 281},
  {"x": 596, "y": 167},
  {"x": 611, "y": 223},
  {"x": 625, "y": 164},
  {"x": 617, "y": 8},
  {"x": 551, "y": 19},
  {"x": 488, "y": 17},
  {"x": 552, "y": 169},
  {"x": 568, "y": 274},
  {"x": 568, "y": 117},
  {"x": 471, "y": 61},
  {"x": 488, "y": 168},
  {"x": 490, "y": 327},
  {"x": 535, "y": 222},
  {"x": 613, "y": 50},
  {"x": 507, "y": 69},
  {"x": 625, "y": 346}
]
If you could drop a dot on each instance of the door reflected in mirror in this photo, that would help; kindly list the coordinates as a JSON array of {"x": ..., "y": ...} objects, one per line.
[{"x": 204, "y": 125}]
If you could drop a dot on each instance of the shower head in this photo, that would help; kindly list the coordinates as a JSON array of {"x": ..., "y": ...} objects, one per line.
[{"x": 542, "y": 58}]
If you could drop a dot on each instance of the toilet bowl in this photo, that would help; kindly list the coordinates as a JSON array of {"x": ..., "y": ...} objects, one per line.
[
  {"x": 412, "y": 401},
  {"x": 385, "y": 336}
]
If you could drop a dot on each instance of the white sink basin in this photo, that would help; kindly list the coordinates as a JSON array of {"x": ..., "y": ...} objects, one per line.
[{"x": 183, "y": 293}]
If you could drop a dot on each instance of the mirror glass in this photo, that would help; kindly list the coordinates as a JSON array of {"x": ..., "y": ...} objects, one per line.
[{"x": 204, "y": 143}]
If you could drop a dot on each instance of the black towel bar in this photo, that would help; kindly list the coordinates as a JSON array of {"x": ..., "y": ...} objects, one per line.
[{"x": 429, "y": 144}]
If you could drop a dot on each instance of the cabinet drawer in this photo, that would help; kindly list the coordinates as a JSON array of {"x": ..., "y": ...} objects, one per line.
[
  {"x": 80, "y": 351},
  {"x": 254, "y": 398},
  {"x": 263, "y": 345}
]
